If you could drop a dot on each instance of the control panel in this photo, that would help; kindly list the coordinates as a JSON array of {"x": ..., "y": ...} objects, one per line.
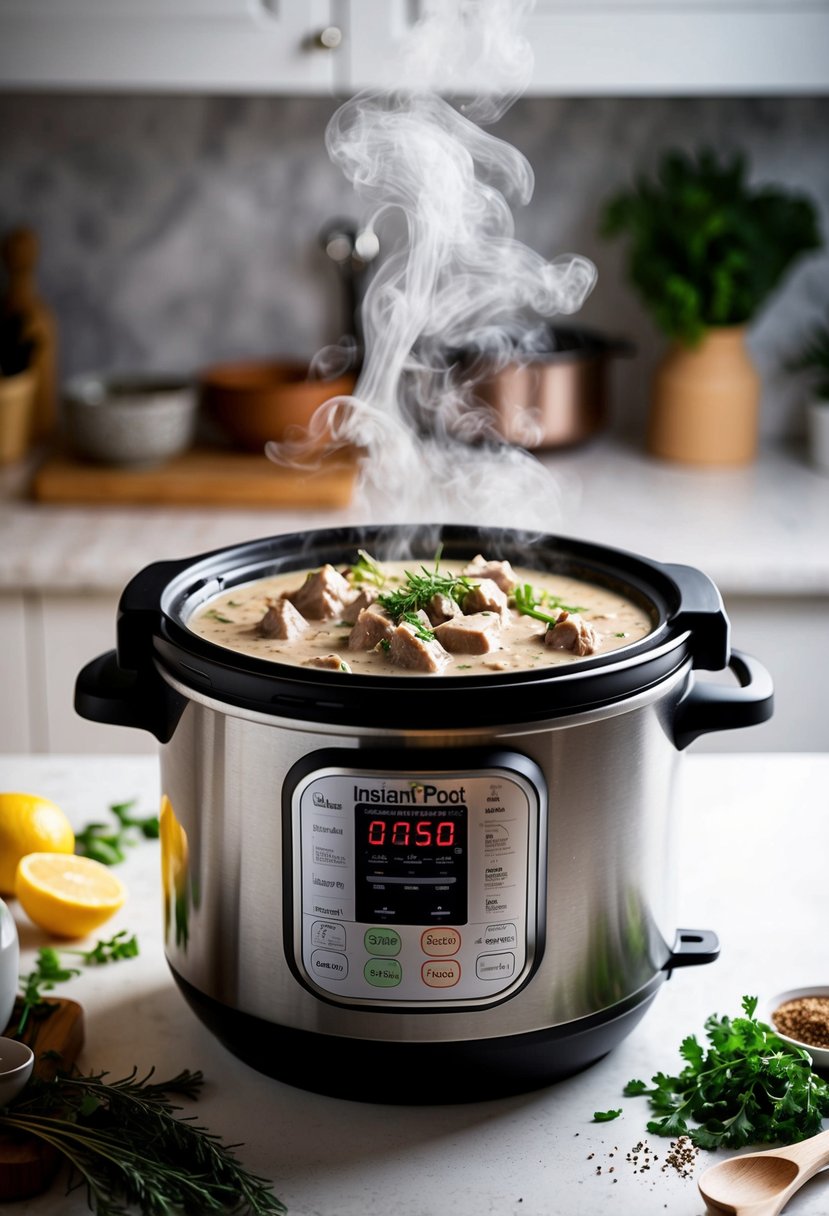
[{"x": 418, "y": 887}]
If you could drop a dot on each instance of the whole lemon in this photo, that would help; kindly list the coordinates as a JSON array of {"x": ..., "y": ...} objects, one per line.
[{"x": 29, "y": 824}]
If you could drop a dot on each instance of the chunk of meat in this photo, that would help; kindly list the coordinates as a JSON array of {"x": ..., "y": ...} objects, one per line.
[
  {"x": 409, "y": 648},
  {"x": 371, "y": 627},
  {"x": 442, "y": 608},
  {"x": 572, "y": 632},
  {"x": 476, "y": 634},
  {"x": 328, "y": 662},
  {"x": 364, "y": 597},
  {"x": 323, "y": 595},
  {"x": 282, "y": 621},
  {"x": 501, "y": 573},
  {"x": 487, "y": 596}
]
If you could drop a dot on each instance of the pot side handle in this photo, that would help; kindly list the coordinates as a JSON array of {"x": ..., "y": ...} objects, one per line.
[
  {"x": 706, "y": 708},
  {"x": 107, "y": 693}
]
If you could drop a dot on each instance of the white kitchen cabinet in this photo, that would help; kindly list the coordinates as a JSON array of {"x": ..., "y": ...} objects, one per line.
[
  {"x": 236, "y": 46},
  {"x": 580, "y": 47}
]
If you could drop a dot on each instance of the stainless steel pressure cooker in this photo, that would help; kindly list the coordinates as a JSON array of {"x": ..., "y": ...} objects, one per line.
[{"x": 539, "y": 925}]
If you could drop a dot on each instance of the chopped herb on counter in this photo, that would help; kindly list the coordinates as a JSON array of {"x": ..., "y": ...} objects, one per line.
[
  {"x": 605, "y": 1116},
  {"x": 748, "y": 1087},
  {"x": 125, "y": 1144},
  {"x": 49, "y": 971},
  {"x": 107, "y": 843}
]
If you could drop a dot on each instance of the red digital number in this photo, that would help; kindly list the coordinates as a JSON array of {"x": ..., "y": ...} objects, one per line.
[
  {"x": 445, "y": 834},
  {"x": 423, "y": 835},
  {"x": 400, "y": 832},
  {"x": 377, "y": 831}
]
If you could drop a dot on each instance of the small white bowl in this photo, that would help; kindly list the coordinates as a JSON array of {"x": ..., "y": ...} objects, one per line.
[
  {"x": 9, "y": 964},
  {"x": 820, "y": 1055},
  {"x": 16, "y": 1064}
]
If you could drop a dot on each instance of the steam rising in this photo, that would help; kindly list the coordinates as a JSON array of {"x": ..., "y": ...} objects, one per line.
[{"x": 440, "y": 192}]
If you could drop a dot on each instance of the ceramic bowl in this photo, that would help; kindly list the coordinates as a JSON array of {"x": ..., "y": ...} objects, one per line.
[
  {"x": 139, "y": 420},
  {"x": 255, "y": 402},
  {"x": 820, "y": 1055},
  {"x": 9, "y": 964},
  {"x": 16, "y": 1064}
]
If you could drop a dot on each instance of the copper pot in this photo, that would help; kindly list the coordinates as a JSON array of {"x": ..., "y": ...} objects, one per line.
[{"x": 546, "y": 398}]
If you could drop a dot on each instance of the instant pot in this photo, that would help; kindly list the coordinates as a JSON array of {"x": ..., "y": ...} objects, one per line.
[{"x": 538, "y": 925}]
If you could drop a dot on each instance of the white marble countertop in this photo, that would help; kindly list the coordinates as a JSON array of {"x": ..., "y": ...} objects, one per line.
[
  {"x": 753, "y": 839},
  {"x": 758, "y": 530}
]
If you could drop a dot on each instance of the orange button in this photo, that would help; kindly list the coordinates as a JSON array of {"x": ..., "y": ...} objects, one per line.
[
  {"x": 441, "y": 975},
  {"x": 438, "y": 942}
]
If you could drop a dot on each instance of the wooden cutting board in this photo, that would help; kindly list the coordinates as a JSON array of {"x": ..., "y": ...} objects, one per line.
[
  {"x": 201, "y": 477},
  {"x": 27, "y": 1165}
]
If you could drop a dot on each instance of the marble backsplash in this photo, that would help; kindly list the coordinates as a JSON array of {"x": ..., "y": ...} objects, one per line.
[{"x": 178, "y": 231}]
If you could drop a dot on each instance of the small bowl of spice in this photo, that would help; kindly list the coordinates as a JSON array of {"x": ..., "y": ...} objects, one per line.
[{"x": 801, "y": 1016}]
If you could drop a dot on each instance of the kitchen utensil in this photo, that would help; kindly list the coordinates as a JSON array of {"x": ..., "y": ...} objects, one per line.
[
  {"x": 553, "y": 390},
  {"x": 558, "y": 930},
  {"x": 352, "y": 250},
  {"x": 131, "y": 420},
  {"x": 16, "y": 1063},
  {"x": 255, "y": 402},
  {"x": 761, "y": 1184},
  {"x": 820, "y": 1055},
  {"x": 9, "y": 963}
]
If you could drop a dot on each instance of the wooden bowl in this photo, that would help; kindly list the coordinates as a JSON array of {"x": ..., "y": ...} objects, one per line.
[{"x": 255, "y": 402}]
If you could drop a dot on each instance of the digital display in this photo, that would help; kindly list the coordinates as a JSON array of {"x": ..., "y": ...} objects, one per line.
[{"x": 411, "y": 864}]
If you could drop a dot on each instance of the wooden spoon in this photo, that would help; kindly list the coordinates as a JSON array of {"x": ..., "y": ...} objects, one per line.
[{"x": 761, "y": 1184}]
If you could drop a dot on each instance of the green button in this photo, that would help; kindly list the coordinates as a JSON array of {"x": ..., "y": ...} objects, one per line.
[
  {"x": 383, "y": 972},
  {"x": 383, "y": 942}
]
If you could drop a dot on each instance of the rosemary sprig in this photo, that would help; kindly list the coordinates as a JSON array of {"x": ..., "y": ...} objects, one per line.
[
  {"x": 418, "y": 590},
  {"x": 527, "y": 604},
  {"x": 126, "y": 1146}
]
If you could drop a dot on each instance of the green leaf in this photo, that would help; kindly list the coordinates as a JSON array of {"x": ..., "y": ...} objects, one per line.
[{"x": 605, "y": 1116}]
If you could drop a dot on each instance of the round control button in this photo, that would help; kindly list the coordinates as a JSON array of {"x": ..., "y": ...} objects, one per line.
[
  {"x": 439, "y": 942},
  {"x": 383, "y": 942},
  {"x": 383, "y": 972},
  {"x": 329, "y": 964},
  {"x": 441, "y": 975}
]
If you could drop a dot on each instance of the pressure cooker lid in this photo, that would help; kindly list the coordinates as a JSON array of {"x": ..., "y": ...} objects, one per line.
[{"x": 688, "y": 621}]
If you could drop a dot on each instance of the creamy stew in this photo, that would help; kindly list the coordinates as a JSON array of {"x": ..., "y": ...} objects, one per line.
[{"x": 398, "y": 618}]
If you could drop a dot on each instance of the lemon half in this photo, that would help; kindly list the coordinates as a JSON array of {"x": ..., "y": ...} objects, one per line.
[
  {"x": 29, "y": 824},
  {"x": 67, "y": 895}
]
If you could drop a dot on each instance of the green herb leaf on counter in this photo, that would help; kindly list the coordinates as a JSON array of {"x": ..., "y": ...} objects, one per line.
[
  {"x": 49, "y": 971},
  {"x": 125, "y": 1144},
  {"x": 605, "y": 1116},
  {"x": 106, "y": 843},
  {"x": 747, "y": 1087}
]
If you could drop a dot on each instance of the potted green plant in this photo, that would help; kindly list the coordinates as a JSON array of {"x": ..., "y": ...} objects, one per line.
[
  {"x": 706, "y": 251},
  {"x": 813, "y": 358},
  {"x": 17, "y": 388}
]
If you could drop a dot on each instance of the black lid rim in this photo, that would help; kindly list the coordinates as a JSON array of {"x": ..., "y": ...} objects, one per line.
[{"x": 410, "y": 701}]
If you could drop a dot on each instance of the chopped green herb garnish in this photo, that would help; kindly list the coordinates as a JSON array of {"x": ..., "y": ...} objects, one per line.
[
  {"x": 418, "y": 590},
  {"x": 384, "y": 644},
  {"x": 367, "y": 570},
  {"x": 528, "y": 604},
  {"x": 215, "y": 615},
  {"x": 748, "y": 1087},
  {"x": 605, "y": 1116},
  {"x": 421, "y": 631}
]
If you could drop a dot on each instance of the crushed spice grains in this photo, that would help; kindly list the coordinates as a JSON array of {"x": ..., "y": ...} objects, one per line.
[{"x": 806, "y": 1018}]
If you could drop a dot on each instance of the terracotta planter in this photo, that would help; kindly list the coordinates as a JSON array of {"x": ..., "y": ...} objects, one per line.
[
  {"x": 705, "y": 401},
  {"x": 17, "y": 397}
]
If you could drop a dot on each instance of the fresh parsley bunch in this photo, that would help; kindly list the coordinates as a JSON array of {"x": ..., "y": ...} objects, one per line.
[{"x": 749, "y": 1087}]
